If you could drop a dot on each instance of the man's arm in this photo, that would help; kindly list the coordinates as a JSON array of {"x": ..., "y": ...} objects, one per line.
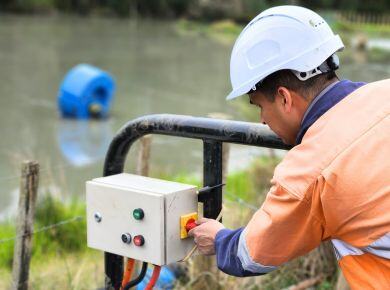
[
  {"x": 212, "y": 238},
  {"x": 282, "y": 229},
  {"x": 226, "y": 250}
]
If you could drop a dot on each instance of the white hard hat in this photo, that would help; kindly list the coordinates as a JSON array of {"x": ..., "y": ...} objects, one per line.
[{"x": 283, "y": 37}]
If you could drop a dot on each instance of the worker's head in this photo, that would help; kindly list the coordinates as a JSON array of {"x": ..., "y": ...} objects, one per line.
[
  {"x": 286, "y": 53},
  {"x": 283, "y": 100}
]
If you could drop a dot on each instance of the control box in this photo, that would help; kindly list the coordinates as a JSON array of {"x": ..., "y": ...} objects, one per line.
[{"x": 140, "y": 217}]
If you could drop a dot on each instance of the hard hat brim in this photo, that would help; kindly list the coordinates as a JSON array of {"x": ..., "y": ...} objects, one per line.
[{"x": 237, "y": 93}]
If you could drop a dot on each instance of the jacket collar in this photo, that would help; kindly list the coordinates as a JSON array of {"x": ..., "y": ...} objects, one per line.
[{"x": 324, "y": 101}]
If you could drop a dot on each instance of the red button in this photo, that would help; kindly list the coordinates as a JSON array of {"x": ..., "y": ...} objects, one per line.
[
  {"x": 138, "y": 240},
  {"x": 190, "y": 225}
]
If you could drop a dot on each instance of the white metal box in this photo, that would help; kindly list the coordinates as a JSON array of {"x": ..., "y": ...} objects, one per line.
[{"x": 110, "y": 204}]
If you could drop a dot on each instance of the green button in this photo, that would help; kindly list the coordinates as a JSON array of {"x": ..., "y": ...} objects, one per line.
[{"x": 138, "y": 214}]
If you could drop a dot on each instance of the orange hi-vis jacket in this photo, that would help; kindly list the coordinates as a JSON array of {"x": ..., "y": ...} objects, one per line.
[{"x": 335, "y": 186}]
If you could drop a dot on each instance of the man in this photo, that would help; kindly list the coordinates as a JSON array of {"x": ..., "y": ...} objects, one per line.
[{"x": 334, "y": 184}]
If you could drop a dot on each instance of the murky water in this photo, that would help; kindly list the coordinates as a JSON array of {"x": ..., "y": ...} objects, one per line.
[{"x": 157, "y": 70}]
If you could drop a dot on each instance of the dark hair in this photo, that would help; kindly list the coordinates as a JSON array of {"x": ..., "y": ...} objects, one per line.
[{"x": 286, "y": 78}]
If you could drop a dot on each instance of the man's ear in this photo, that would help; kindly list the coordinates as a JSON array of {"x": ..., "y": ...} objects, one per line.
[{"x": 286, "y": 98}]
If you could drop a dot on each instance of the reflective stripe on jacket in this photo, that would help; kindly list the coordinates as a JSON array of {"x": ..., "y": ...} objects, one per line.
[{"x": 335, "y": 185}]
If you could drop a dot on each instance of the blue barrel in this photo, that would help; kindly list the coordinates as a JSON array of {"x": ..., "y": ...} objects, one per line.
[
  {"x": 86, "y": 92},
  {"x": 165, "y": 281}
]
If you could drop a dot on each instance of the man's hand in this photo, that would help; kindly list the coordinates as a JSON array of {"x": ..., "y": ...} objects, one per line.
[{"x": 204, "y": 235}]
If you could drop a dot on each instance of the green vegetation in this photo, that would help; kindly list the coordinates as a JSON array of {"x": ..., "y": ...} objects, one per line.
[
  {"x": 69, "y": 237},
  {"x": 228, "y": 30},
  {"x": 239, "y": 10},
  {"x": 374, "y": 30},
  {"x": 162, "y": 8},
  {"x": 7, "y": 248},
  {"x": 60, "y": 257}
]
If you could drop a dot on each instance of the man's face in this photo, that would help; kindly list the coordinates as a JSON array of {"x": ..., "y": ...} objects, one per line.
[{"x": 279, "y": 115}]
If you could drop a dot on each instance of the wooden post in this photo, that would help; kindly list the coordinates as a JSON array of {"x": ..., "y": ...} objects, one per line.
[
  {"x": 144, "y": 156},
  {"x": 25, "y": 225}
]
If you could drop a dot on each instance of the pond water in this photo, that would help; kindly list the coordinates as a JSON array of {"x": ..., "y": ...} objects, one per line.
[{"x": 157, "y": 70}]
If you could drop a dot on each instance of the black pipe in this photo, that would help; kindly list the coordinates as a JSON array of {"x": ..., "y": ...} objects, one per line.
[
  {"x": 139, "y": 278},
  {"x": 113, "y": 267},
  {"x": 212, "y": 131},
  {"x": 189, "y": 127}
]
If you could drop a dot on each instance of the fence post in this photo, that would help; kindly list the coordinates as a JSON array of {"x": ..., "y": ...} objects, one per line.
[
  {"x": 144, "y": 156},
  {"x": 25, "y": 225}
]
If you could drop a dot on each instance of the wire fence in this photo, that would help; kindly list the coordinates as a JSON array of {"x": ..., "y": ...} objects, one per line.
[{"x": 233, "y": 198}]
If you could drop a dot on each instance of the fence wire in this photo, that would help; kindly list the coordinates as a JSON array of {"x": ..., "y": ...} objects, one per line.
[
  {"x": 238, "y": 200},
  {"x": 234, "y": 199},
  {"x": 43, "y": 229}
]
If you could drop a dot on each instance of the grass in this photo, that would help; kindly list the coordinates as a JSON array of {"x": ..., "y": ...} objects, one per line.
[
  {"x": 63, "y": 270},
  {"x": 60, "y": 255},
  {"x": 70, "y": 237},
  {"x": 7, "y": 229}
]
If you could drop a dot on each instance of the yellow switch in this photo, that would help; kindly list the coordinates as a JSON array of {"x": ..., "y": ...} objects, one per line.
[{"x": 183, "y": 222}]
